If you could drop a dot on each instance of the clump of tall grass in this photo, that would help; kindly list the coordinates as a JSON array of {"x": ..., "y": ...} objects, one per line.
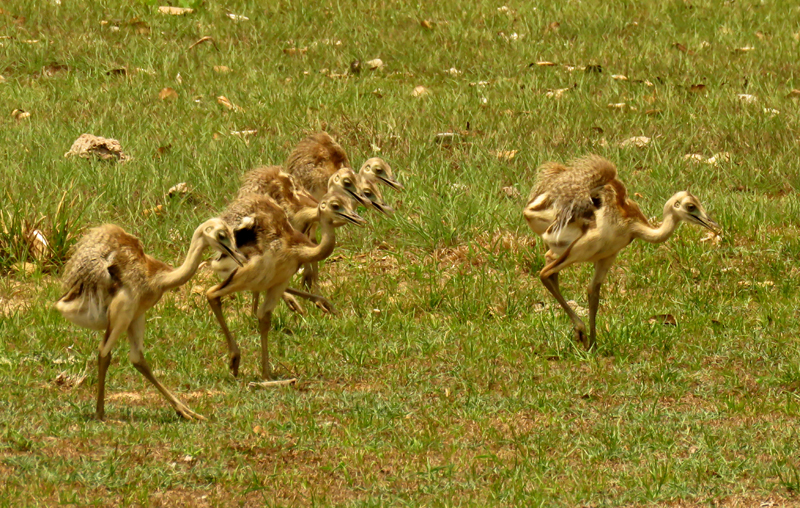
[{"x": 40, "y": 237}]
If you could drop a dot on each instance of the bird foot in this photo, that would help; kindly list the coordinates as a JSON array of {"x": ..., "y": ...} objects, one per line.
[
  {"x": 580, "y": 336},
  {"x": 234, "y": 364},
  {"x": 293, "y": 304},
  {"x": 270, "y": 384},
  {"x": 188, "y": 414},
  {"x": 325, "y": 306}
]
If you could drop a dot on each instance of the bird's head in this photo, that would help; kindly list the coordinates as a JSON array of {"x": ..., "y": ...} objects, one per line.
[
  {"x": 371, "y": 191},
  {"x": 338, "y": 208},
  {"x": 688, "y": 208},
  {"x": 377, "y": 169},
  {"x": 217, "y": 234},
  {"x": 345, "y": 180}
]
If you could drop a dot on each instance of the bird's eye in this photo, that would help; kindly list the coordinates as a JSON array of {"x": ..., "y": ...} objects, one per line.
[
  {"x": 348, "y": 182},
  {"x": 221, "y": 235},
  {"x": 691, "y": 208},
  {"x": 379, "y": 170},
  {"x": 335, "y": 206},
  {"x": 368, "y": 194}
]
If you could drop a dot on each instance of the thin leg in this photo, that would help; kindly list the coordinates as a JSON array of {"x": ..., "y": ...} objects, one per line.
[
  {"x": 600, "y": 271},
  {"x": 271, "y": 300},
  {"x": 320, "y": 301},
  {"x": 310, "y": 275},
  {"x": 264, "y": 326},
  {"x": 136, "y": 355},
  {"x": 551, "y": 283},
  {"x": 255, "y": 302},
  {"x": 102, "y": 363},
  {"x": 119, "y": 317},
  {"x": 234, "y": 355}
]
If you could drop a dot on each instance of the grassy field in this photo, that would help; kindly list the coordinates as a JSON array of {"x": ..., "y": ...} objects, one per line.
[{"x": 449, "y": 376}]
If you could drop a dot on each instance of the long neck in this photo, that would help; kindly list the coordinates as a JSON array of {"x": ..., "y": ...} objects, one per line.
[
  {"x": 326, "y": 244},
  {"x": 660, "y": 234},
  {"x": 305, "y": 217},
  {"x": 181, "y": 275}
]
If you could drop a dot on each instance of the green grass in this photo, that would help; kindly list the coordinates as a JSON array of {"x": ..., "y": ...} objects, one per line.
[{"x": 444, "y": 380}]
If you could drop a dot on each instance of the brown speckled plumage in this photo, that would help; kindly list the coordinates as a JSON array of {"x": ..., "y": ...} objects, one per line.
[
  {"x": 314, "y": 160},
  {"x": 105, "y": 259},
  {"x": 572, "y": 189},
  {"x": 299, "y": 206},
  {"x": 270, "y": 227}
]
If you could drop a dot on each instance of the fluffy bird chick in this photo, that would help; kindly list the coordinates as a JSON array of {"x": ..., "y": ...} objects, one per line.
[
  {"x": 583, "y": 214},
  {"x": 274, "y": 251},
  {"x": 109, "y": 283}
]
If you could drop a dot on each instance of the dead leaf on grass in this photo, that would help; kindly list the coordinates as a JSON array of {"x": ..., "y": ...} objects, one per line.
[
  {"x": 228, "y": 104},
  {"x": 259, "y": 430},
  {"x": 375, "y": 64},
  {"x": 157, "y": 210},
  {"x": 2, "y": 79},
  {"x": 295, "y": 51},
  {"x": 680, "y": 47},
  {"x": 505, "y": 155},
  {"x": 747, "y": 98},
  {"x": 120, "y": 71},
  {"x": 53, "y": 69},
  {"x": 222, "y": 69},
  {"x": 700, "y": 87},
  {"x": 713, "y": 160},
  {"x": 179, "y": 189},
  {"x": 206, "y": 38},
  {"x": 663, "y": 319},
  {"x": 745, "y": 49},
  {"x": 237, "y": 17},
  {"x": 557, "y": 93},
  {"x": 511, "y": 192},
  {"x": 420, "y": 91},
  {"x": 140, "y": 27},
  {"x": 637, "y": 141},
  {"x": 20, "y": 114},
  {"x": 552, "y": 27},
  {"x": 619, "y": 77},
  {"x": 426, "y": 24},
  {"x": 618, "y": 105},
  {"x": 167, "y": 94},
  {"x": 653, "y": 112},
  {"x": 771, "y": 111},
  {"x": 794, "y": 94},
  {"x": 174, "y": 11},
  {"x": 712, "y": 238},
  {"x": 245, "y": 133},
  {"x": 447, "y": 138},
  {"x": 545, "y": 64}
]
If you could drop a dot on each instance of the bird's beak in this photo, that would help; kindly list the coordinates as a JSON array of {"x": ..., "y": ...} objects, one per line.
[
  {"x": 391, "y": 182},
  {"x": 708, "y": 223},
  {"x": 353, "y": 217},
  {"x": 383, "y": 208},
  {"x": 235, "y": 254},
  {"x": 360, "y": 197}
]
